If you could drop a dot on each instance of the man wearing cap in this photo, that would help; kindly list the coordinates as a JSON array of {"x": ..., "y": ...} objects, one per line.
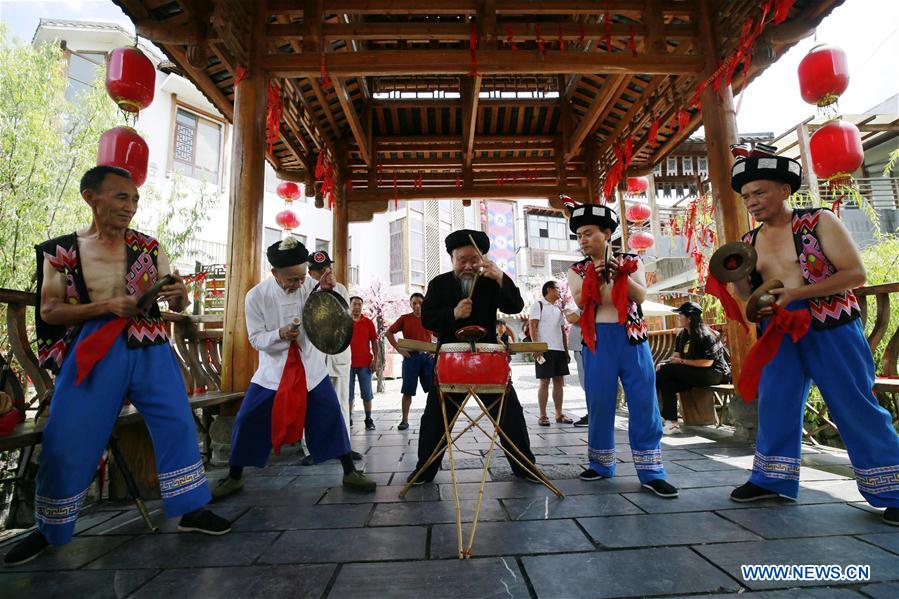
[
  {"x": 609, "y": 290},
  {"x": 273, "y": 310},
  {"x": 812, "y": 254},
  {"x": 338, "y": 365},
  {"x": 698, "y": 361},
  {"x": 446, "y": 309},
  {"x": 418, "y": 366}
]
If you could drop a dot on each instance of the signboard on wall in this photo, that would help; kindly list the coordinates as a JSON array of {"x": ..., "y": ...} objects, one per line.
[{"x": 500, "y": 228}]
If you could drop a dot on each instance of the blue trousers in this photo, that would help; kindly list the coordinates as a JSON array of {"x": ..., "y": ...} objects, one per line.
[
  {"x": 839, "y": 361},
  {"x": 82, "y": 418},
  {"x": 364, "y": 375},
  {"x": 325, "y": 431},
  {"x": 616, "y": 358},
  {"x": 419, "y": 367}
]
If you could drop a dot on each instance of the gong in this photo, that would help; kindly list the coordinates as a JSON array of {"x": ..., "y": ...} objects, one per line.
[
  {"x": 733, "y": 261},
  {"x": 761, "y": 298},
  {"x": 327, "y": 320}
]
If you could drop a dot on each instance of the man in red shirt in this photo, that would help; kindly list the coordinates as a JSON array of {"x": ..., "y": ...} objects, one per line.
[
  {"x": 362, "y": 358},
  {"x": 417, "y": 366}
]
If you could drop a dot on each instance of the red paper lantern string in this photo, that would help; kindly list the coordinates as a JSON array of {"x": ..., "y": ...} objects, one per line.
[
  {"x": 541, "y": 43},
  {"x": 273, "y": 115},
  {"x": 323, "y": 74},
  {"x": 631, "y": 43},
  {"x": 561, "y": 40},
  {"x": 654, "y": 134},
  {"x": 473, "y": 49},
  {"x": 509, "y": 39},
  {"x": 241, "y": 75},
  {"x": 607, "y": 19}
]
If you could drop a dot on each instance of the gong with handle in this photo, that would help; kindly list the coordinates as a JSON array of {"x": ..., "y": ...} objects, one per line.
[{"x": 327, "y": 320}]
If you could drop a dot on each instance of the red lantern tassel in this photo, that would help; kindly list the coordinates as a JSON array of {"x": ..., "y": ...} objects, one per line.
[
  {"x": 509, "y": 39},
  {"x": 541, "y": 43},
  {"x": 781, "y": 10},
  {"x": 320, "y": 166},
  {"x": 683, "y": 120},
  {"x": 561, "y": 40},
  {"x": 323, "y": 73},
  {"x": 631, "y": 43},
  {"x": 273, "y": 115},
  {"x": 607, "y": 19},
  {"x": 473, "y": 49},
  {"x": 654, "y": 134}
]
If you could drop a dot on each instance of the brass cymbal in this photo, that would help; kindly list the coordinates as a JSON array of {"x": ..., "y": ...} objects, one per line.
[
  {"x": 733, "y": 261},
  {"x": 761, "y": 298}
]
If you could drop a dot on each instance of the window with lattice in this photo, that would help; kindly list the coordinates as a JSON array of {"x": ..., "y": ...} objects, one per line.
[{"x": 197, "y": 147}]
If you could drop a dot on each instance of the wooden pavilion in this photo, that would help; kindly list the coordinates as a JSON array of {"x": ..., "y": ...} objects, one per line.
[{"x": 464, "y": 100}]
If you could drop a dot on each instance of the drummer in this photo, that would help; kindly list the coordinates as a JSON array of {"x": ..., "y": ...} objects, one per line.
[
  {"x": 812, "y": 254},
  {"x": 270, "y": 307},
  {"x": 445, "y": 310}
]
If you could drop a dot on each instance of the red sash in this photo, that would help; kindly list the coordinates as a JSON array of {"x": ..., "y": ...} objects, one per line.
[
  {"x": 730, "y": 305},
  {"x": 619, "y": 289},
  {"x": 95, "y": 346},
  {"x": 784, "y": 322},
  {"x": 289, "y": 410},
  {"x": 590, "y": 298}
]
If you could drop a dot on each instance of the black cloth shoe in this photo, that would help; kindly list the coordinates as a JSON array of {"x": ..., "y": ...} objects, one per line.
[
  {"x": 356, "y": 455},
  {"x": 891, "y": 516},
  {"x": 662, "y": 488},
  {"x": 26, "y": 550},
  {"x": 582, "y": 422},
  {"x": 369, "y": 424},
  {"x": 591, "y": 474},
  {"x": 420, "y": 481},
  {"x": 204, "y": 521},
  {"x": 751, "y": 492},
  {"x": 402, "y": 426},
  {"x": 529, "y": 477},
  {"x": 308, "y": 461}
]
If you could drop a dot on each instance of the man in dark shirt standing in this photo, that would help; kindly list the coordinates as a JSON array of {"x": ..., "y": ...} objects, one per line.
[
  {"x": 417, "y": 366},
  {"x": 445, "y": 310}
]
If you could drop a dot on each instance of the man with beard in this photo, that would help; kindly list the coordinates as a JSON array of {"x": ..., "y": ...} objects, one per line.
[
  {"x": 446, "y": 309},
  {"x": 811, "y": 253}
]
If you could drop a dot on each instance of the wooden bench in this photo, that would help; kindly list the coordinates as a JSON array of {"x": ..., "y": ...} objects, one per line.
[{"x": 196, "y": 341}]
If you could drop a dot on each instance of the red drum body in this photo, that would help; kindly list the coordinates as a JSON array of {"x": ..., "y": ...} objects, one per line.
[{"x": 485, "y": 370}]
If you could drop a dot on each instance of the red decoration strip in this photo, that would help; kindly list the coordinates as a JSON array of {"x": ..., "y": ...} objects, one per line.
[
  {"x": 683, "y": 120},
  {"x": 784, "y": 322},
  {"x": 580, "y": 37},
  {"x": 781, "y": 10},
  {"x": 654, "y": 134},
  {"x": 591, "y": 298},
  {"x": 619, "y": 289},
  {"x": 541, "y": 43},
  {"x": 458, "y": 182},
  {"x": 607, "y": 20},
  {"x": 289, "y": 409},
  {"x": 396, "y": 199},
  {"x": 95, "y": 346},
  {"x": 240, "y": 76},
  {"x": 320, "y": 166},
  {"x": 509, "y": 39},
  {"x": 731, "y": 308},
  {"x": 561, "y": 40},
  {"x": 273, "y": 115},
  {"x": 473, "y": 49},
  {"x": 631, "y": 43},
  {"x": 323, "y": 74}
]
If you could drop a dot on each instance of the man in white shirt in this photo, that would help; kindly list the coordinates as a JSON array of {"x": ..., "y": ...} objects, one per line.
[
  {"x": 273, "y": 309},
  {"x": 338, "y": 365},
  {"x": 547, "y": 325}
]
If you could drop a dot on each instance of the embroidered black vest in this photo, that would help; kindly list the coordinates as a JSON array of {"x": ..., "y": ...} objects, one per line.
[
  {"x": 142, "y": 252},
  {"x": 829, "y": 311},
  {"x": 635, "y": 325}
]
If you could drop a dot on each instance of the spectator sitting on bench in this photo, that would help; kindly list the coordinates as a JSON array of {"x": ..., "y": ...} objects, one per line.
[{"x": 698, "y": 361}]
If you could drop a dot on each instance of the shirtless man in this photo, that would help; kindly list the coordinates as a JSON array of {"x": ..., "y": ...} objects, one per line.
[
  {"x": 812, "y": 254},
  {"x": 614, "y": 335},
  {"x": 103, "y": 348}
]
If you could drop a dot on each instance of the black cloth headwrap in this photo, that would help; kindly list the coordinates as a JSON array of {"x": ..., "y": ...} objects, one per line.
[
  {"x": 766, "y": 167},
  {"x": 459, "y": 239},
  {"x": 286, "y": 253}
]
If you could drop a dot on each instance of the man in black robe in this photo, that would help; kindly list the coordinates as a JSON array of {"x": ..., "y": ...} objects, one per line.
[{"x": 445, "y": 310}]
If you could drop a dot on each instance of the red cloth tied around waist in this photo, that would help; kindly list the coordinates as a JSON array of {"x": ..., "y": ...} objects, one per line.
[
  {"x": 730, "y": 305},
  {"x": 289, "y": 409},
  {"x": 619, "y": 289},
  {"x": 95, "y": 346},
  {"x": 784, "y": 322},
  {"x": 590, "y": 298}
]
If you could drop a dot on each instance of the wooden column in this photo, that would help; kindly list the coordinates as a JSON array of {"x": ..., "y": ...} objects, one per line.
[
  {"x": 340, "y": 224},
  {"x": 622, "y": 222},
  {"x": 654, "y": 225},
  {"x": 732, "y": 220},
  {"x": 245, "y": 211},
  {"x": 805, "y": 155}
]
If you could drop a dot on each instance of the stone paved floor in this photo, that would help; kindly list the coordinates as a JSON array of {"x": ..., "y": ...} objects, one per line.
[{"x": 297, "y": 533}]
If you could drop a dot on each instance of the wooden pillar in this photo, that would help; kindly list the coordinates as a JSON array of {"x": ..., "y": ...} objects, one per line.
[
  {"x": 245, "y": 210},
  {"x": 655, "y": 226},
  {"x": 732, "y": 220},
  {"x": 622, "y": 221},
  {"x": 340, "y": 224},
  {"x": 805, "y": 156}
]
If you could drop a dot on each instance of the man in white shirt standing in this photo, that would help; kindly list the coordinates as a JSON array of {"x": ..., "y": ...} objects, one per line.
[
  {"x": 273, "y": 309},
  {"x": 547, "y": 325}
]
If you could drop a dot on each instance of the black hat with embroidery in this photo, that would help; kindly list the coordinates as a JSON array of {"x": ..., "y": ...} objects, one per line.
[
  {"x": 761, "y": 164},
  {"x": 463, "y": 237},
  {"x": 589, "y": 214},
  {"x": 319, "y": 260},
  {"x": 286, "y": 253}
]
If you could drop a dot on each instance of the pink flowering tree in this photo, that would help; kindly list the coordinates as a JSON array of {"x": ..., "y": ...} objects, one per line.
[{"x": 383, "y": 309}]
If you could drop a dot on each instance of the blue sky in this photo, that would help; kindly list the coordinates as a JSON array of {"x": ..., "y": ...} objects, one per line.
[{"x": 868, "y": 30}]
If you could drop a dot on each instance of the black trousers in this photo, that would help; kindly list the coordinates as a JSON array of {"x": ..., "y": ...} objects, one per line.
[
  {"x": 431, "y": 433},
  {"x": 674, "y": 378}
]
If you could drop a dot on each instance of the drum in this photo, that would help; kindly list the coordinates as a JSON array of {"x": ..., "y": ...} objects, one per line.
[{"x": 485, "y": 370}]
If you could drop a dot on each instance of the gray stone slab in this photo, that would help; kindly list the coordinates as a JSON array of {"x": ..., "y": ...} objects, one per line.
[
  {"x": 630, "y": 573},
  {"x": 721, "y": 478},
  {"x": 806, "y": 521},
  {"x": 347, "y": 545},
  {"x": 295, "y": 582},
  {"x": 295, "y": 495},
  {"x": 335, "y": 479},
  {"x": 814, "y": 593},
  {"x": 497, "y": 490},
  {"x": 572, "y": 506},
  {"x": 619, "y": 484},
  {"x": 384, "y": 494},
  {"x": 456, "y": 579},
  {"x": 694, "y": 500},
  {"x": 509, "y": 538},
  {"x": 885, "y": 540},
  {"x": 186, "y": 550},
  {"x": 708, "y": 465},
  {"x": 842, "y": 551},
  {"x": 884, "y": 590},
  {"x": 443, "y": 476},
  {"x": 69, "y": 584},
  {"x": 433, "y": 512},
  {"x": 291, "y": 518},
  {"x": 76, "y": 554},
  {"x": 89, "y": 519},
  {"x": 653, "y": 530},
  {"x": 837, "y": 489},
  {"x": 131, "y": 522}
]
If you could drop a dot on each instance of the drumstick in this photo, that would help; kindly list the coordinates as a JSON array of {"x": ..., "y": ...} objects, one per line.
[{"x": 481, "y": 256}]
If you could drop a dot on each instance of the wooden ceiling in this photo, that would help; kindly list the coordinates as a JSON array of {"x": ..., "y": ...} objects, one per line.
[{"x": 406, "y": 118}]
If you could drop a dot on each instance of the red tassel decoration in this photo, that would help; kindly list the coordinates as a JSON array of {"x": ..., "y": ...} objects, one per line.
[
  {"x": 240, "y": 76},
  {"x": 396, "y": 197},
  {"x": 781, "y": 10},
  {"x": 607, "y": 19},
  {"x": 320, "y": 166},
  {"x": 561, "y": 40},
  {"x": 473, "y": 49},
  {"x": 541, "y": 43},
  {"x": 273, "y": 115},
  {"x": 458, "y": 182},
  {"x": 509, "y": 39},
  {"x": 683, "y": 120},
  {"x": 323, "y": 72},
  {"x": 580, "y": 38},
  {"x": 654, "y": 134},
  {"x": 631, "y": 43}
]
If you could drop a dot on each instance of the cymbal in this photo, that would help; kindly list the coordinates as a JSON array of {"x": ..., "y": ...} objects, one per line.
[
  {"x": 733, "y": 261},
  {"x": 761, "y": 298}
]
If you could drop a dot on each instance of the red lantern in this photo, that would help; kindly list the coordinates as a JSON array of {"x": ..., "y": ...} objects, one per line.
[
  {"x": 637, "y": 185},
  {"x": 130, "y": 79},
  {"x": 836, "y": 151},
  {"x": 640, "y": 241},
  {"x": 638, "y": 213},
  {"x": 287, "y": 219},
  {"x": 823, "y": 75},
  {"x": 288, "y": 191},
  {"x": 124, "y": 148}
]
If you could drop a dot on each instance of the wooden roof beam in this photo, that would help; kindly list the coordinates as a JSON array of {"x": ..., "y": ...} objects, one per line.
[
  {"x": 470, "y": 7},
  {"x": 349, "y": 110},
  {"x": 526, "y": 190},
  {"x": 458, "y": 62},
  {"x": 628, "y": 119},
  {"x": 587, "y": 125},
  {"x": 201, "y": 80}
]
